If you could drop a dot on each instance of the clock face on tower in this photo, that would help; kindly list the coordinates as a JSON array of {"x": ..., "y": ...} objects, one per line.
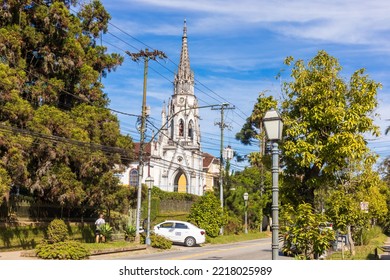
[{"x": 181, "y": 100}]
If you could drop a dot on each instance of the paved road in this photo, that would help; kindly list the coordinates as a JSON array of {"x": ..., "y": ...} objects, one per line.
[{"x": 259, "y": 249}]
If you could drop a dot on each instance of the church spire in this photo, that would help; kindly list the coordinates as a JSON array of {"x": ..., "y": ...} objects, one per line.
[
  {"x": 185, "y": 28},
  {"x": 184, "y": 73}
]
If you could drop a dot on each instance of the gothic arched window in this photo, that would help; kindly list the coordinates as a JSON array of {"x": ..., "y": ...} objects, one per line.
[
  {"x": 191, "y": 130},
  {"x": 172, "y": 129},
  {"x": 133, "y": 178},
  {"x": 181, "y": 128}
]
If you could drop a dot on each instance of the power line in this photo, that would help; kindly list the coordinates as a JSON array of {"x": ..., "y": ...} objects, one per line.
[
  {"x": 196, "y": 80},
  {"x": 54, "y": 138},
  {"x": 66, "y": 92},
  {"x": 116, "y": 111},
  {"x": 143, "y": 43}
]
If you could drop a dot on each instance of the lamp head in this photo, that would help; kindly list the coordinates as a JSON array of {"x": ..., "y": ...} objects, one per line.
[
  {"x": 149, "y": 181},
  {"x": 273, "y": 125}
]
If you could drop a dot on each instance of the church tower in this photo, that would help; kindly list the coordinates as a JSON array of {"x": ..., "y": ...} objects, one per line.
[
  {"x": 175, "y": 156},
  {"x": 183, "y": 106},
  {"x": 180, "y": 143}
]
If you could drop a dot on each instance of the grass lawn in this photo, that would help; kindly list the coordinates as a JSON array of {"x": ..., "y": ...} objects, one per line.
[
  {"x": 224, "y": 239},
  {"x": 364, "y": 252}
]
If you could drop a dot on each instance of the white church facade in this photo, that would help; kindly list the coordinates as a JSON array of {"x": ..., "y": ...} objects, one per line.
[{"x": 174, "y": 159}]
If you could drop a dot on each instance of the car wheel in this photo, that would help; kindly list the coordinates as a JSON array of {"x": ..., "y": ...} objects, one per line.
[{"x": 190, "y": 241}]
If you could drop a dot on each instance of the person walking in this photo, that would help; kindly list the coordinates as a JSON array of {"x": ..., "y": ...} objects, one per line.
[{"x": 99, "y": 222}]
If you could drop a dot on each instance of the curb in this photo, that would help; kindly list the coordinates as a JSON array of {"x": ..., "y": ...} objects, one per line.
[
  {"x": 118, "y": 250},
  {"x": 31, "y": 253}
]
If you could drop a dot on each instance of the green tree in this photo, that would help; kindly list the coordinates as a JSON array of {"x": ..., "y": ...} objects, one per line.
[
  {"x": 253, "y": 128},
  {"x": 4, "y": 180},
  {"x": 207, "y": 213},
  {"x": 302, "y": 232},
  {"x": 344, "y": 208},
  {"x": 326, "y": 120},
  {"x": 251, "y": 132},
  {"x": 259, "y": 203},
  {"x": 58, "y": 139},
  {"x": 384, "y": 171}
]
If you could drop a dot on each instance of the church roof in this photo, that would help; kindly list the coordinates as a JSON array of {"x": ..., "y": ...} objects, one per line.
[
  {"x": 147, "y": 149},
  {"x": 209, "y": 159}
]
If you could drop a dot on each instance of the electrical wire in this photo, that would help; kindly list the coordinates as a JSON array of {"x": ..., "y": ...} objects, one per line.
[
  {"x": 119, "y": 112},
  {"x": 111, "y": 150}
]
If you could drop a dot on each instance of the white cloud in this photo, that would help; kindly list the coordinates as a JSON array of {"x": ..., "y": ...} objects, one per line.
[
  {"x": 237, "y": 47},
  {"x": 350, "y": 21}
]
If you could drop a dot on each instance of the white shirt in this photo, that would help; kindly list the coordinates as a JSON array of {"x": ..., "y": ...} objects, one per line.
[{"x": 100, "y": 221}]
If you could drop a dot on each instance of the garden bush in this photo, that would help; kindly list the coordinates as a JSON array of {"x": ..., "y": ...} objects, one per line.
[
  {"x": 106, "y": 230},
  {"x": 160, "y": 242},
  {"x": 130, "y": 232},
  {"x": 64, "y": 250},
  {"x": 206, "y": 213},
  {"x": 57, "y": 231},
  {"x": 234, "y": 225},
  {"x": 57, "y": 245}
]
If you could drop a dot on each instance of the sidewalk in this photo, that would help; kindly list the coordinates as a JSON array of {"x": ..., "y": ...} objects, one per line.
[
  {"x": 96, "y": 255},
  {"x": 104, "y": 255},
  {"x": 16, "y": 255}
]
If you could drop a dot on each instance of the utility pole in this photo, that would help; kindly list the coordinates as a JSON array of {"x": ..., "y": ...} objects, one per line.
[
  {"x": 146, "y": 55},
  {"x": 222, "y": 125}
]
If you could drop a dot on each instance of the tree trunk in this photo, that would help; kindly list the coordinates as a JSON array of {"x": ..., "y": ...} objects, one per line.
[{"x": 350, "y": 241}]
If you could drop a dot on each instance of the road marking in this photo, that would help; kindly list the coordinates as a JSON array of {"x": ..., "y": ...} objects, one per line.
[{"x": 209, "y": 251}]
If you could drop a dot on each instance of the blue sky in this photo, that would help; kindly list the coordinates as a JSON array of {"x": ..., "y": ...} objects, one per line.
[{"x": 237, "y": 49}]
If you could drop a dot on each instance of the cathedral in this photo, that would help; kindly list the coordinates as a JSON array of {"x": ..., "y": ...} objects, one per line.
[{"x": 174, "y": 159}]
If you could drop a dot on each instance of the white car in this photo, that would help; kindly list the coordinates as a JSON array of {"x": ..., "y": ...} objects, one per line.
[{"x": 181, "y": 232}]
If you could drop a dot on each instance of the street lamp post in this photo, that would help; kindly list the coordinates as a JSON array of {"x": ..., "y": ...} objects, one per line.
[
  {"x": 274, "y": 127},
  {"x": 246, "y": 196},
  {"x": 149, "y": 182}
]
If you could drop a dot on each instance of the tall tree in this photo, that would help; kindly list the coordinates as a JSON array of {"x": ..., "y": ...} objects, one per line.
[
  {"x": 326, "y": 120},
  {"x": 249, "y": 181},
  {"x": 253, "y": 129},
  {"x": 343, "y": 203},
  {"x": 57, "y": 136}
]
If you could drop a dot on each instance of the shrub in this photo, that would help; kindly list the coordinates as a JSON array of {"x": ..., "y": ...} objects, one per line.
[
  {"x": 303, "y": 236},
  {"x": 234, "y": 225},
  {"x": 64, "y": 250},
  {"x": 206, "y": 213},
  {"x": 129, "y": 231},
  {"x": 57, "y": 231},
  {"x": 364, "y": 235},
  {"x": 160, "y": 242},
  {"x": 106, "y": 231}
]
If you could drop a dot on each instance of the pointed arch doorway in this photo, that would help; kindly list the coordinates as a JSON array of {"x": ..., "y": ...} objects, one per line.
[{"x": 180, "y": 182}]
